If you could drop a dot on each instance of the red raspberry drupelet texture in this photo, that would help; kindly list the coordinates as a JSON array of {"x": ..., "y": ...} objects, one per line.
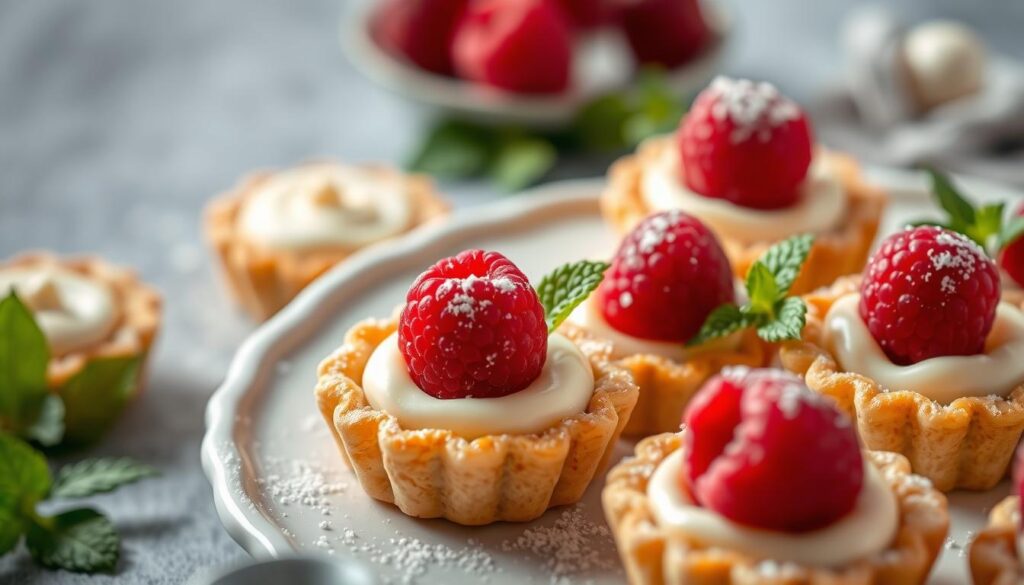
[
  {"x": 745, "y": 142},
  {"x": 472, "y": 326},
  {"x": 929, "y": 292},
  {"x": 1011, "y": 258},
  {"x": 419, "y": 31},
  {"x": 669, "y": 273},
  {"x": 522, "y": 46},
  {"x": 763, "y": 450}
]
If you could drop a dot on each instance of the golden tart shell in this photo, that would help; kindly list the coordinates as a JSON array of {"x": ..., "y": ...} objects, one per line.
[
  {"x": 652, "y": 556},
  {"x": 993, "y": 554},
  {"x": 433, "y": 473},
  {"x": 965, "y": 444},
  {"x": 838, "y": 252},
  {"x": 263, "y": 279}
]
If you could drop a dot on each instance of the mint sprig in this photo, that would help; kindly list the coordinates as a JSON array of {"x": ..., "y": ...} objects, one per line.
[
  {"x": 566, "y": 287},
  {"x": 984, "y": 224},
  {"x": 81, "y": 540},
  {"x": 769, "y": 309}
]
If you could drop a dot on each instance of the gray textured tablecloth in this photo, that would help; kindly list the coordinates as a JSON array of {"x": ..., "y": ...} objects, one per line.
[{"x": 118, "y": 120}]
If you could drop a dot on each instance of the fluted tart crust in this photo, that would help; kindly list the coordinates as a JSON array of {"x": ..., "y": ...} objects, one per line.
[
  {"x": 993, "y": 555},
  {"x": 433, "y": 473}
]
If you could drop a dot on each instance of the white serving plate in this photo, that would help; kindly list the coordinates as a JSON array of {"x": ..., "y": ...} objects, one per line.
[
  {"x": 268, "y": 455},
  {"x": 601, "y": 64}
]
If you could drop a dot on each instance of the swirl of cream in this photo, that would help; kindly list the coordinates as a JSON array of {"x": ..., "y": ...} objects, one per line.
[
  {"x": 327, "y": 205},
  {"x": 73, "y": 311}
]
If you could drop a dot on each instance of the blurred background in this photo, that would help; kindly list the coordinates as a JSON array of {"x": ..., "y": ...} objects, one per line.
[{"x": 120, "y": 120}]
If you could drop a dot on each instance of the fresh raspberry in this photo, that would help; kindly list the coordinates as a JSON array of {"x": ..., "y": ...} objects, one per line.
[
  {"x": 745, "y": 142},
  {"x": 1011, "y": 258},
  {"x": 419, "y": 31},
  {"x": 522, "y": 46},
  {"x": 761, "y": 449},
  {"x": 586, "y": 14},
  {"x": 664, "y": 32},
  {"x": 472, "y": 326},
  {"x": 669, "y": 273},
  {"x": 929, "y": 292}
]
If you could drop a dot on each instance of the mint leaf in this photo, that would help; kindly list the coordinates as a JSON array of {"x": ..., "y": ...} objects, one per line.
[
  {"x": 522, "y": 161},
  {"x": 24, "y": 357},
  {"x": 988, "y": 222},
  {"x": 81, "y": 541},
  {"x": 564, "y": 289},
  {"x": 789, "y": 323},
  {"x": 95, "y": 397},
  {"x": 961, "y": 212},
  {"x": 762, "y": 288},
  {"x": 599, "y": 124},
  {"x": 96, "y": 476},
  {"x": 1010, "y": 232},
  {"x": 48, "y": 430},
  {"x": 24, "y": 476},
  {"x": 723, "y": 321},
  {"x": 454, "y": 149},
  {"x": 785, "y": 259},
  {"x": 11, "y": 529}
]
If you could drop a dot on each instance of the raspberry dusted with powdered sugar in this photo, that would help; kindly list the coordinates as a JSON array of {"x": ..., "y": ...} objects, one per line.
[
  {"x": 745, "y": 142},
  {"x": 472, "y": 326},
  {"x": 761, "y": 449},
  {"x": 929, "y": 292},
  {"x": 669, "y": 273}
]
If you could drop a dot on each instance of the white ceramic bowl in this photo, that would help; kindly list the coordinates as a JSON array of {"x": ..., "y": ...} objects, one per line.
[{"x": 602, "y": 64}]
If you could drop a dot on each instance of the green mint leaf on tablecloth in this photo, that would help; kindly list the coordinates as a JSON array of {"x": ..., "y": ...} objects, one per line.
[
  {"x": 564, "y": 289},
  {"x": 960, "y": 211},
  {"x": 785, "y": 258},
  {"x": 97, "y": 476},
  {"x": 81, "y": 541},
  {"x": 11, "y": 528},
  {"x": 24, "y": 357},
  {"x": 790, "y": 316},
  {"x": 95, "y": 397},
  {"x": 724, "y": 321},
  {"x": 24, "y": 476},
  {"x": 1009, "y": 233},
  {"x": 774, "y": 315},
  {"x": 455, "y": 150},
  {"x": 521, "y": 161},
  {"x": 48, "y": 428}
]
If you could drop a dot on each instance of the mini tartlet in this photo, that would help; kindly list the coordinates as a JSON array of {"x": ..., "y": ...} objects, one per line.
[
  {"x": 994, "y": 555},
  {"x": 438, "y": 449},
  {"x": 730, "y": 136},
  {"x": 887, "y": 528},
  {"x": 668, "y": 275},
  {"x": 275, "y": 232},
  {"x": 91, "y": 313},
  {"x": 956, "y": 411}
]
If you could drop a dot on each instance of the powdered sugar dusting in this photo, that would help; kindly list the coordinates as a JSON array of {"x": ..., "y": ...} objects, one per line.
[
  {"x": 755, "y": 108},
  {"x": 464, "y": 304},
  {"x": 568, "y": 547},
  {"x": 960, "y": 254},
  {"x": 414, "y": 559},
  {"x": 303, "y": 483}
]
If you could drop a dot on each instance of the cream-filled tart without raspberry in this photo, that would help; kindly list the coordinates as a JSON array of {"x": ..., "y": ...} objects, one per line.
[
  {"x": 767, "y": 484},
  {"x": 668, "y": 275},
  {"x": 995, "y": 553},
  {"x": 744, "y": 162},
  {"x": 275, "y": 232},
  {"x": 925, "y": 354},
  {"x": 465, "y": 406},
  {"x": 99, "y": 322}
]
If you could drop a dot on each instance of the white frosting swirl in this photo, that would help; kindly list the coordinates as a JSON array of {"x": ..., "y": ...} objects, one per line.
[
  {"x": 563, "y": 389},
  {"x": 327, "y": 205},
  {"x": 997, "y": 371},
  {"x": 866, "y": 530},
  {"x": 820, "y": 208},
  {"x": 588, "y": 316},
  {"x": 72, "y": 310}
]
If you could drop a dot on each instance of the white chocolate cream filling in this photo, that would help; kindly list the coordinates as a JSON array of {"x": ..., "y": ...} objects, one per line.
[
  {"x": 821, "y": 205},
  {"x": 73, "y": 311},
  {"x": 997, "y": 371},
  {"x": 588, "y": 316},
  {"x": 327, "y": 205},
  {"x": 563, "y": 389},
  {"x": 867, "y": 529}
]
